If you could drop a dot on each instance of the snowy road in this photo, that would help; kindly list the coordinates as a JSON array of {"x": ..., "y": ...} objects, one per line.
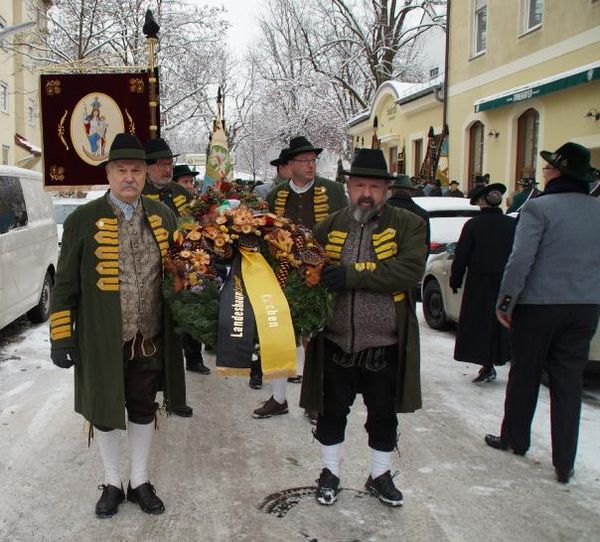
[{"x": 215, "y": 470}]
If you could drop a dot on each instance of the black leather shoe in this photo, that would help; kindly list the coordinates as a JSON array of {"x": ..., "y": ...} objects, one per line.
[
  {"x": 497, "y": 442},
  {"x": 184, "y": 411},
  {"x": 108, "y": 504},
  {"x": 486, "y": 374},
  {"x": 198, "y": 367},
  {"x": 145, "y": 496},
  {"x": 564, "y": 477},
  {"x": 295, "y": 379},
  {"x": 255, "y": 381}
]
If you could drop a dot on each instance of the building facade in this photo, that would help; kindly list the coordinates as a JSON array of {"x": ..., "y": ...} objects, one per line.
[
  {"x": 20, "y": 136},
  {"x": 523, "y": 76}
]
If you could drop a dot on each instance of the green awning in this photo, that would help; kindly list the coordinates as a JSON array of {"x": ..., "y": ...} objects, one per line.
[{"x": 560, "y": 81}]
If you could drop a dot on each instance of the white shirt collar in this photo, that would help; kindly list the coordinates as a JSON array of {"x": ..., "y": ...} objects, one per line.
[{"x": 301, "y": 189}]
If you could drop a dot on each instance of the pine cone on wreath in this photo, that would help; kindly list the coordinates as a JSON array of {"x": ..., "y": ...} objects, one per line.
[{"x": 282, "y": 272}]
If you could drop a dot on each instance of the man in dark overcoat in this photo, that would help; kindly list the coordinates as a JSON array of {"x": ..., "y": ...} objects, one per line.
[
  {"x": 549, "y": 299},
  {"x": 109, "y": 321},
  {"x": 481, "y": 253},
  {"x": 402, "y": 192},
  {"x": 528, "y": 191},
  {"x": 370, "y": 343}
]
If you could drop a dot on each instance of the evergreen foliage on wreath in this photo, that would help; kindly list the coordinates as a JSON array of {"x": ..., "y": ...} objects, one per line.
[{"x": 213, "y": 233}]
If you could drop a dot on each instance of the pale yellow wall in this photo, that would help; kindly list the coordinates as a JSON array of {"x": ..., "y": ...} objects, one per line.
[
  {"x": 569, "y": 38},
  {"x": 23, "y": 82},
  {"x": 400, "y": 125},
  {"x": 562, "y": 20}
]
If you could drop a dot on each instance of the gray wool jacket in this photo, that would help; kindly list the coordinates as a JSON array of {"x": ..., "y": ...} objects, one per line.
[{"x": 556, "y": 255}]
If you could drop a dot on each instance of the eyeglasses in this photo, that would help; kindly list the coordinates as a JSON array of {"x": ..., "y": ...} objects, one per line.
[
  {"x": 165, "y": 165},
  {"x": 548, "y": 167},
  {"x": 305, "y": 161}
]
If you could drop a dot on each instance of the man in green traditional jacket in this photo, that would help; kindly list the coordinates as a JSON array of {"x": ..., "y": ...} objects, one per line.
[
  {"x": 370, "y": 344},
  {"x": 109, "y": 321},
  {"x": 305, "y": 199},
  {"x": 160, "y": 186}
]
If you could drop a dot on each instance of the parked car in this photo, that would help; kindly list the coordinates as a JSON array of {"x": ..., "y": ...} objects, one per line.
[
  {"x": 28, "y": 246},
  {"x": 63, "y": 207},
  {"x": 441, "y": 307},
  {"x": 446, "y": 219}
]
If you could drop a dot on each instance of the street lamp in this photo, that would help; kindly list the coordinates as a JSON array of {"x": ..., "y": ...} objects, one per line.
[{"x": 8, "y": 30}]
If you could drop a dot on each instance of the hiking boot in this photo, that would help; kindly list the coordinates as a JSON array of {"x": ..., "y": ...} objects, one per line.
[
  {"x": 328, "y": 486},
  {"x": 486, "y": 374},
  {"x": 384, "y": 489},
  {"x": 270, "y": 408},
  {"x": 312, "y": 416},
  {"x": 295, "y": 379},
  {"x": 108, "y": 504}
]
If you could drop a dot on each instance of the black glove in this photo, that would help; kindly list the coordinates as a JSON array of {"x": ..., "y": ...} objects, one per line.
[
  {"x": 333, "y": 277},
  {"x": 64, "y": 356}
]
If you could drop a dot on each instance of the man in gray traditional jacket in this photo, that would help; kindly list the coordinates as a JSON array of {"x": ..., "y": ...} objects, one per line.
[{"x": 549, "y": 299}]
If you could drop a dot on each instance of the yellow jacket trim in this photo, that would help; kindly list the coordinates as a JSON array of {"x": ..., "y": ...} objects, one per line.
[
  {"x": 62, "y": 329},
  {"x": 107, "y": 237},
  {"x": 385, "y": 247},
  {"x": 63, "y": 335},
  {"x": 161, "y": 234},
  {"x": 155, "y": 220},
  {"x": 107, "y": 253},
  {"x": 108, "y": 284},
  {"x": 108, "y": 268},
  {"x": 399, "y": 296},
  {"x": 155, "y": 197},
  {"x": 107, "y": 224},
  {"x": 59, "y": 315},
  {"x": 362, "y": 266},
  {"x": 386, "y": 255},
  {"x": 385, "y": 235},
  {"x": 336, "y": 235},
  {"x": 61, "y": 322},
  {"x": 334, "y": 248}
]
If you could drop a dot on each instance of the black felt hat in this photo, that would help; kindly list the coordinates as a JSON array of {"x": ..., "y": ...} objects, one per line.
[
  {"x": 158, "y": 148},
  {"x": 301, "y": 144},
  {"x": 369, "y": 163},
  {"x": 571, "y": 159},
  {"x": 403, "y": 181},
  {"x": 481, "y": 192},
  {"x": 125, "y": 147},
  {"x": 183, "y": 170},
  {"x": 282, "y": 159},
  {"x": 455, "y": 182}
]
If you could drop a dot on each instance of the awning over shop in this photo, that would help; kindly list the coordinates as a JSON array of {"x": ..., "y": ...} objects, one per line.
[{"x": 560, "y": 81}]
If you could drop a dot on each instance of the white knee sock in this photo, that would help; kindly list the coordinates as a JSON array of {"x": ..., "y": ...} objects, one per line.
[
  {"x": 380, "y": 462},
  {"x": 299, "y": 360},
  {"x": 140, "y": 442},
  {"x": 279, "y": 389},
  {"x": 330, "y": 457},
  {"x": 109, "y": 443}
]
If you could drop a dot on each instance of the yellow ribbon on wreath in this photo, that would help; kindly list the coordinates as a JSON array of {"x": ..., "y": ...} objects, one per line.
[{"x": 272, "y": 314}]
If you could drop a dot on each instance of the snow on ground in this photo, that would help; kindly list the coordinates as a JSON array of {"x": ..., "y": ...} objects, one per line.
[{"x": 220, "y": 470}]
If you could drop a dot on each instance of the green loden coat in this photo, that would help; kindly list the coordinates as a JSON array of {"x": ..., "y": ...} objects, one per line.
[
  {"x": 86, "y": 310},
  {"x": 399, "y": 242},
  {"x": 329, "y": 197},
  {"x": 176, "y": 197}
]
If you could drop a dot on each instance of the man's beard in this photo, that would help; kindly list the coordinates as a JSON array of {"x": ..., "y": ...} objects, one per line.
[{"x": 363, "y": 214}]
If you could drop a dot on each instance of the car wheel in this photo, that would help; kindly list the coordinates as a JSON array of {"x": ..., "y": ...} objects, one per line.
[
  {"x": 433, "y": 306},
  {"x": 41, "y": 311}
]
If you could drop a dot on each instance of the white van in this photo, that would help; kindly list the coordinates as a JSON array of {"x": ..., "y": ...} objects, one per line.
[{"x": 28, "y": 246}]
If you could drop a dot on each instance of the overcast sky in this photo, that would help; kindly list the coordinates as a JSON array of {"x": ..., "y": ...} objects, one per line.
[{"x": 241, "y": 14}]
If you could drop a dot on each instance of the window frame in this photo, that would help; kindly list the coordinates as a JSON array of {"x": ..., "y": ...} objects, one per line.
[
  {"x": 525, "y": 26},
  {"x": 473, "y": 151},
  {"x": 4, "y": 102},
  {"x": 478, "y": 6},
  {"x": 417, "y": 157},
  {"x": 522, "y": 169},
  {"x": 4, "y": 155}
]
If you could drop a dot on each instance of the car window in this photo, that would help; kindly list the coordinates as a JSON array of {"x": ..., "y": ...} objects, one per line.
[
  {"x": 13, "y": 212},
  {"x": 61, "y": 212}
]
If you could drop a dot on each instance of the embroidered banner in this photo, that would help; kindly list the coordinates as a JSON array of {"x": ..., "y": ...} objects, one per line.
[{"x": 81, "y": 114}]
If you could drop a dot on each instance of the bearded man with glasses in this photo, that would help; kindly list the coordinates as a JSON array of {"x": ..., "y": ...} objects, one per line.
[{"x": 305, "y": 199}]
